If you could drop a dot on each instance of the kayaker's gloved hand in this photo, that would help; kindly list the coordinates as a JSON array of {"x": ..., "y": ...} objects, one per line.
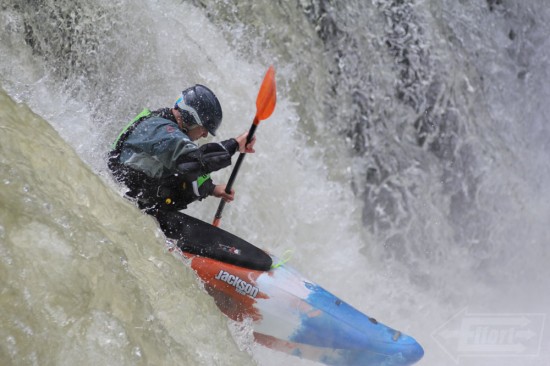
[
  {"x": 243, "y": 147},
  {"x": 219, "y": 191}
]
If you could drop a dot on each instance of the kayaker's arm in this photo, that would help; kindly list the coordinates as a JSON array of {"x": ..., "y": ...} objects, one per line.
[{"x": 207, "y": 158}]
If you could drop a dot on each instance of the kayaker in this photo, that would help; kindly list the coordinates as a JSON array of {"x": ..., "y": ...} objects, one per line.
[{"x": 157, "y": 158}]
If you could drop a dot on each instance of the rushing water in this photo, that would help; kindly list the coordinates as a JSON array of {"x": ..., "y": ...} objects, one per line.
[{"x": 406, "y": 165}]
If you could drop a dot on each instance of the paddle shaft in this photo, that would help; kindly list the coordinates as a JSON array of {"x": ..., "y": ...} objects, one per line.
[{"x": 235, "y": 171}]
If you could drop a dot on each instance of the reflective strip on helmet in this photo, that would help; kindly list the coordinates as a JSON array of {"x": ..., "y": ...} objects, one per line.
[
  {"x": 180, "y": 103},
  {"x": 144, "y": 113}
]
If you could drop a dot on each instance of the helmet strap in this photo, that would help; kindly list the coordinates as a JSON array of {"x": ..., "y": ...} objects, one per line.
[
  {"x": 188, "y": 127},
  {"x": 184, "y": 126},
  {"x": 179, "y": 119}
]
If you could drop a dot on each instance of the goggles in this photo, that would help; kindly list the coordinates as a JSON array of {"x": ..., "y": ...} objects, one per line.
[{"x": 180, "y": 103}]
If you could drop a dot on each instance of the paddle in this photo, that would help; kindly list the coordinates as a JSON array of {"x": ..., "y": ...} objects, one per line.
[{"x": 265, "y": 104}]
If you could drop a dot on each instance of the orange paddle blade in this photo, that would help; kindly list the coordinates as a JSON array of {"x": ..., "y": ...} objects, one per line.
[{"x": 267, "y": 97}]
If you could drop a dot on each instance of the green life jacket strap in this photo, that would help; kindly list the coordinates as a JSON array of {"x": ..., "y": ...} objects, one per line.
[
  {"x": 202, "y": 179},
  {"x": 130, "y": 127},
  {"x": 198, "y": 183}
]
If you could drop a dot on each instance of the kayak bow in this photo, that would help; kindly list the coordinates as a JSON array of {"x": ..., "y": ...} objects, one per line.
[{"x": 292, "y": 314}]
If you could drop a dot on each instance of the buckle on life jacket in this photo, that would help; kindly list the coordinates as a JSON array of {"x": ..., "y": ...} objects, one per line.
[{"x": 165, "y": 194}]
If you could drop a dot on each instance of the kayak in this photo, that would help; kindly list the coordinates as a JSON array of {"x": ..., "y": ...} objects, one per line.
[{"x": 290, "y": 313}]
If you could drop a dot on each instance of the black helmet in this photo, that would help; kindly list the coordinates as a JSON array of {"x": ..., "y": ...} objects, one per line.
[{"x": 202, "y": 105}]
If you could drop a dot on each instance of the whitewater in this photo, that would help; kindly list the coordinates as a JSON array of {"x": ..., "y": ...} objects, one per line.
[{"x": 405, "y": 167}]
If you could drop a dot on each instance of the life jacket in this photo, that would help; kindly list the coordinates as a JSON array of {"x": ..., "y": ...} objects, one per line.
[{"x": 172, "y": 193}]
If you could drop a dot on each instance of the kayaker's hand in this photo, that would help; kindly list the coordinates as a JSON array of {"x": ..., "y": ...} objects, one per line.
[
  {"x": 243, "y": 147},
  {"x": 219, "y": 191}
]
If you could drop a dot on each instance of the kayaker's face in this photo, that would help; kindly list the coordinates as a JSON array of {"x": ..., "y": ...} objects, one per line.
[{"x": 197, "y": 132}]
